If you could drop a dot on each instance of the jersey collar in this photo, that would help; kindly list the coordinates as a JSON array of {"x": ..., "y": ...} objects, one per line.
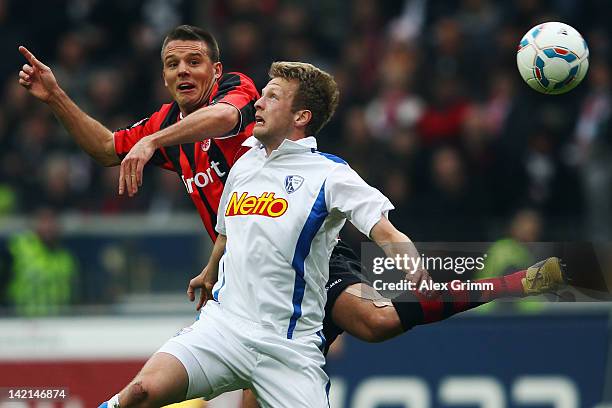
[{"x": 288, "y": 146}]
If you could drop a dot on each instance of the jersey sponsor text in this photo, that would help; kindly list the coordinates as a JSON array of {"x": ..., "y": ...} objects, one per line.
[
  {"x": 266, "y": 204},
  {"x": 203, "y": 178}
]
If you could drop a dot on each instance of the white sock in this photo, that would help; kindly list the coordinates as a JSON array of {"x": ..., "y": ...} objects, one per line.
[{"x": 114, "y": 402}]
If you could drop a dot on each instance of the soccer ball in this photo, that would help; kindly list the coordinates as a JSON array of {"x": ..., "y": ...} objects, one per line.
[{"x": 552, "y": 58}]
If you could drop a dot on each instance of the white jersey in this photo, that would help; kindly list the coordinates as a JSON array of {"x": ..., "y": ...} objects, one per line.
[{"x": 282, "y": 215}]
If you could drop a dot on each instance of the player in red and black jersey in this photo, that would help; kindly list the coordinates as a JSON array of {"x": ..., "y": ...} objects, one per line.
[
  {"x": 199, "y": 136},
  {"x": 203, "y": 165}
]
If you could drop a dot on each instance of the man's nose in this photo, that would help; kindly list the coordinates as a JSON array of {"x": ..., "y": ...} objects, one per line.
[{"x": 183, "y": 68}]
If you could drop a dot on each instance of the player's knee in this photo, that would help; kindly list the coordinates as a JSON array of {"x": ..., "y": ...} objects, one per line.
[
  {"x": 382, "y": 324},
  {"x": 137, "y": 395}
]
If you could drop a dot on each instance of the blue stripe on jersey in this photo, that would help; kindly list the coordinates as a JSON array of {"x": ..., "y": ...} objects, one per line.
[
  {"x": 323, "y": 341},
  {"x": 216, "y": 292},
  {"x": 302, "y": 249},
  {"x": 332, "y": 157},
  {"x": 327, "y": 387}
]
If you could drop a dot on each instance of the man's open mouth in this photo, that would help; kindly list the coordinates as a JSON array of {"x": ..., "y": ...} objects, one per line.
[{"x": 185, "y": 86}]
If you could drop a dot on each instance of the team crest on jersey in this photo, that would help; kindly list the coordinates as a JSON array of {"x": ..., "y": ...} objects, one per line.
[
  {"x": 293, "y": 183},
  {"x": 206, "y": 145},
  {"x": 183, "y": 331}
]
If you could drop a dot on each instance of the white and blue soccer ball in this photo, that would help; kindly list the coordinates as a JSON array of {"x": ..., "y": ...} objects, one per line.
[{"x": 553, "y": 58}]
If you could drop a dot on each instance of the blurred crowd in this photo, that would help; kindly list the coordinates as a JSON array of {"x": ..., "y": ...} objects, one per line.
[{"x": 432, "y": 110}]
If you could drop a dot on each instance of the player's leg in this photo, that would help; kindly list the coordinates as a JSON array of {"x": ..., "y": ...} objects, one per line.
[
  {"x": 203, "y": 360},
  {"x": 363, "y": 313},
  {"x": 289, "y": 373},
  {"x": 415, "y": 309},
  {"x": 163, "y": 380}
]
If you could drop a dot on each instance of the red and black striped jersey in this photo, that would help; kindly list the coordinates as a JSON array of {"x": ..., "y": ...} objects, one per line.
[{"x": 202, "y": 166}]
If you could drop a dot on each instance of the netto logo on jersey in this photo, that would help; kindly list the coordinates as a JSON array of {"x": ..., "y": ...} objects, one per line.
[
  {"x": 203, "y": 178},
  {"x": 265, "y": 205}
]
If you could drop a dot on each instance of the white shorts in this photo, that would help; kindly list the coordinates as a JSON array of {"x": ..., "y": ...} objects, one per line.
[{"x": 222, "y": 352}]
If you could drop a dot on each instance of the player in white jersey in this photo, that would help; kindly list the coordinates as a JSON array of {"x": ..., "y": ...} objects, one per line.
[{"x": 282, "y": 208}]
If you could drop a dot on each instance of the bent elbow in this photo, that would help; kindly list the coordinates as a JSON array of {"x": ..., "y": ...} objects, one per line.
[{"x": 228, "y": 117}]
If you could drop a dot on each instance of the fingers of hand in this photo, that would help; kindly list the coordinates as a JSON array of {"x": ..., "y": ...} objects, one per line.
[
  {"x": 30, "y": 57},
  {"x": 209, "y": 289},
  {"x": 190, "y": 293},
  {"x": 203, "y": 299},
  {"x": 418, "y": 277},
  {"x": 126, "y": 175},
  {"x": 193, "y": 285},
  {"x": 131, "y": 181},
  {"x": 121, "y": 179},
  {"x": 24, "y": 76},
  {"x": 24, "y": 83},
  {"x": 430, "y": 292},
  {"x": 27, "y": 69},
  {"x": 414, "y": 276},
  {"x": 133, "y": 176},
  {"x": 129, "y": 176},
  {"x": 134, "y": 180},
  {"x": 139, "y": 171},
  {"x": 26, "y": 53}
]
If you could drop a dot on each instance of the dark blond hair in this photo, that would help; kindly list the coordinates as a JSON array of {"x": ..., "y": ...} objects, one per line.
[{"x": 317, "y": 91}]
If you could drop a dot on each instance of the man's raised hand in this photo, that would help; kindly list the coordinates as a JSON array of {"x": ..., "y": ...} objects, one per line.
[
  {"x": 36, "y": 77},
  {"x": 132, "y": 166}
]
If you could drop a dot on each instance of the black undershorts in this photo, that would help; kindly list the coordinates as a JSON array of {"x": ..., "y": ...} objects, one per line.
[{"x": 344, "y": 271}]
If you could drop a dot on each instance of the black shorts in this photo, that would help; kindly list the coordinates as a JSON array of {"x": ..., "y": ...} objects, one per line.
[{"x": 344, "y": 271}]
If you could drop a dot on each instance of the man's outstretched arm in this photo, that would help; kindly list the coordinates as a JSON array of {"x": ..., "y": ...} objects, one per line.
[
  {"x": 393, "y": 242},
  {"x": 205, "y": 123},
  {"x": 93, "y": 137}
]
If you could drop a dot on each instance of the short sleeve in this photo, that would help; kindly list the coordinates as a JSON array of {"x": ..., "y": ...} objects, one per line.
[
  {"x": 348, "y": 194},
  {"x": 127, "y": 137},
  {"x": 239, "y": 91}
]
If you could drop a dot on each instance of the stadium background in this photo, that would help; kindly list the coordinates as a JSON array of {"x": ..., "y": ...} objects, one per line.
[{"x": 432, "y": 112}]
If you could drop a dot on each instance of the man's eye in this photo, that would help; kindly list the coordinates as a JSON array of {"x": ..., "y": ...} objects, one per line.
[{"x": 195, "y": 62}]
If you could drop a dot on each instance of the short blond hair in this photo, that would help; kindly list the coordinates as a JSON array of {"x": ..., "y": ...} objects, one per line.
[{"x": 317, "y": 91}]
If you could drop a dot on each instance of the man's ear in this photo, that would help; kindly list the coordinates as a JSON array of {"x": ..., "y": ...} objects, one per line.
[
  {"x": 218, "y": 68},
  {"x": 302, "y": 118},
  {"x": 164, "y": 78}
]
